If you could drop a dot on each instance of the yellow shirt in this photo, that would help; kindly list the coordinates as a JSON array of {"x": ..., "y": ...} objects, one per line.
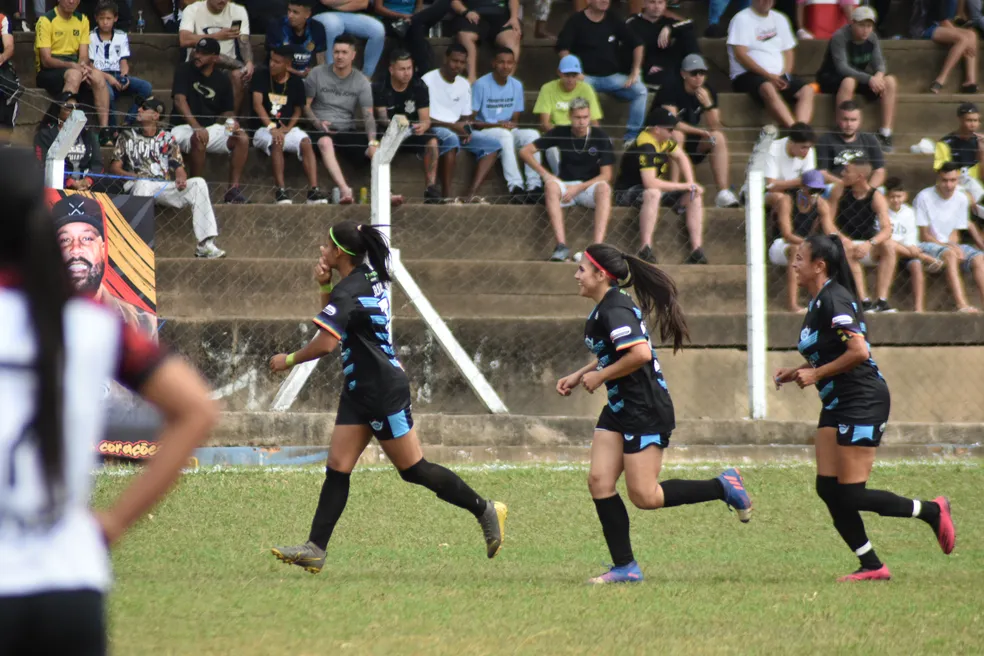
[
  {"x": 556, "y": 101},
  {"x": 642, "y": 154},
  {"x": 63, "y": 36}
]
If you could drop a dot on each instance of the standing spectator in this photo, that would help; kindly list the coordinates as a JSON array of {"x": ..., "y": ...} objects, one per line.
[
  {"x": 203, "y": 110},
  {"x": 689, "y": 101},
  {"x": 451, "y": 110},
  {"x": 410, "y": 21},
  {"x": 789, "y": 158},
  {"x": 486, "y": 20},
  {"x": 596, "y": 36},
  {"x": 760, "y": 49},
  {"x": 10, "y": 87},
  {"x": 541, "y": 14},
  {"x": 836, "y": 150},
  {"x": 644, "y": 181},
  {"x": 61, "y": 54},
  {"x": 933, "y": 20},
  {"x": 497, "y": 103},
  {"x": 83, "y": 158},
  {"x": 821, "y": 19},
  {"x": 150, "y": 153},
  {"x": 667, "y": 39},
  {"x": 334, "y": 91},
  {"x": 905, "y": 238},
  {"x": 586, "y": 161},
  {"x": 798, "y": 214},
  {"x": 853, "y": 64},
  {"x": 228, "y": 24},
  {"x": 304, "y": 37},
  {"x": 342, "y": 17},
  {"x": 111, "y": 55},
  {"x": 965, "y": 147}
]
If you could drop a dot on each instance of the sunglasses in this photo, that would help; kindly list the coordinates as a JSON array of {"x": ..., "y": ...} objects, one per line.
[{"x": 696, "y": 73}]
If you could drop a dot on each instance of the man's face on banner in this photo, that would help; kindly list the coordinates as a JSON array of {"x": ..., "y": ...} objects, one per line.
[{"x": 85, "y": 254}]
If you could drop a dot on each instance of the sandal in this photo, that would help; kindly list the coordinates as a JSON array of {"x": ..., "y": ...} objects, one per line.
[
  {"x": 935, "y": 266},
  {"x": 970, "y": 309},
  {"x": 477, "y": 200},
  {"x": 935, "y": 87},
  {"x": 968, "y": 88}
]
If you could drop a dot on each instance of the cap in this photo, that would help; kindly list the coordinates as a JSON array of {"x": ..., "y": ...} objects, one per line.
[
  {"x": 570, "y": 64},
  {"x": 967, "y": 108},
  {"x": 660, "y": 117},
  {"x": 78, "y": 209},
  {"x": 155, "y": 104},
  {"x": 693, "y": 62},
  {"x": 864, "y": 14},
  {"x": 208, "y": 46},
  {"x": 814, "y": 180}
]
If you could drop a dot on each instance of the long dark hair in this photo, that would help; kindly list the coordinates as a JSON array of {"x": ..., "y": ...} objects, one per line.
[
  {"x": 655, "y": 290},
  {"x": 830, "y": 249},
  {"x": 360, "y": 240},
  {"x": 30, "y": 248}
]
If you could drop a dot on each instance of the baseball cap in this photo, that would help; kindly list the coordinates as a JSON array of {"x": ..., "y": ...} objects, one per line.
[
  {"x": 155, "y": 104},
  {"x": 78, "y": 209},
  {"x": 570, "y": 64},
  {"x": 864, "y": 14},
  {"x": 693, "y": 62},
  {"x": 814, "y": 180},
  {"x": 208, "y": 46},
  {"x": 660, "y": 117},
  {"x": 967, "y": 108}
]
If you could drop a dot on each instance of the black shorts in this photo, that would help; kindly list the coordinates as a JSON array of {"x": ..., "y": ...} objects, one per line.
[
  {"x": 633, "y": 441},
  {"x": 52, "y": 80},
  {"x": 831, "y": 84},
  {"x": 63, "y": 622},
  {"x": 750, "y": 82},
  {"x": 350, "y": 145},
  {"x": 864, "y": 426},
  {"x": 384, "y": 426},
  {"x": 489, "y": 25},
  {"x": 692, "y": 147},
  {"x": 416, "y": 143},
  {"x": 632, "y": 197}
]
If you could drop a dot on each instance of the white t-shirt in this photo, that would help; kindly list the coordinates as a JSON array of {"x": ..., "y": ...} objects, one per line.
[
  {"x": 448, "y": 102},
  {"x": 942, "y": 216},
  {"x": 780, "y": 166},
  {"x": 904, "y": 229},
  {"x": 766, "y": 38},
  {"x": 197, "y": 19},
  {"x": 106, "y": 55}
]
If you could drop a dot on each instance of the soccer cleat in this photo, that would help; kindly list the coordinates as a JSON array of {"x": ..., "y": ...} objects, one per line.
[
  {"x": 281, "y": 197},
  {"x": 947, "y": 534},
  {"x": 560, "y": 254},
  {"x": 735, "y": 494},
  {"x": 309, "y": 556},
  {"x": 624, "y": 574},
  {"x": 209, "y": 250},
  {"x": 880, "y": 574},
  {"x": 315, "y": 197},
  {"x": 493, "y": 522}
]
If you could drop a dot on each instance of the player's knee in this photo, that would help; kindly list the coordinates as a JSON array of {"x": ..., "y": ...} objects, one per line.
[
  {"x": 645, "y": 499},
  {"x": 849, "y": 496},
  {"x": 601, "y": 487},
  {"x": 418, "y": 474},
  {"x": 827, "y": 489}
]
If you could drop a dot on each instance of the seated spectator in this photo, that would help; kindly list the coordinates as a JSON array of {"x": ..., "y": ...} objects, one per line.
[
  {"x": 334, "y": 91},
  {"x": 451, "y": 110},
  {"x": 10, "y": 86},
  {"x": 410, "y": 22},
  {"x": 83, "y": 158},
  {"x": 760, "y": 48},
  {"x": 861, "y": 220},
  {"x": 203, "y": 118},
  {"x": 644, "y": 182},
  {"x": 667, "y": 39},
  {"x": 837, "y": 149},
  {"x": 934, "y": 20},
  {"x": 905, "y": 238},
  {"x": 304, "y": 37},
  {"x": 111, "y": 56},
  {"x": 596, "y": 35},
  {"x": 820, "y": 19},
  {"x": 941, "y": 213},
  {"x": 342, "y": 17},
  {"x": 853, "y": 64},
  {"x": 789, "y": 158},
  {"x": 553, "y": 102},
  {"x": 975, "y": 14},
  {"x": 497, "y": 103},
  {"x": 689, "y": 100},
  {"x": 487, "y": 20},
  {"x": 149, "y": 152},
  {"x": 965, "y": 147},
  {"x": 541, "y": 13},
  {"x": 227, "y": 23},
  {"x": 586, "y": 161},
  {"x": 799, "y": 213},
  {"x": 405, "y": 94},
  {"x": 61, "y": 52}
]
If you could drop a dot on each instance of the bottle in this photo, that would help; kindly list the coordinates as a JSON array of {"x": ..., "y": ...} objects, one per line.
[
  {"x": 363, "y": 196},
  {"x": 141, "y": 23},
  {"x": 230, "y": 125},
  {"x": 336, "y": 196}
]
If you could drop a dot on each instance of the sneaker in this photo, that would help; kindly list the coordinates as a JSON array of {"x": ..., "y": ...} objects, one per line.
[
  {"x": 517, "y": 196},
  {"x": 493, "y": 523},
  {"x": 947, "y": 534},
  {"x": 886, "y": 142},
  {"x": 625, "y": 574},
  {"x": 647, "y": 255},
  {"x": 432, "y": 196},
  {"x": 867, "y": 305},
  {"x": 308, "y": 555},
  {"x": 735, "y": 494},
  {"x": 235, "y": 197},
  {"x": 534, "y": 196},
  {"x": 880, "y": 574},
  {"x": 883, "y": 306},
  {"x": 726, "y": 198},
  {"x": 315, "y": 197},
  {"x": 716, "y": 31},
  {"x": 209, "y": 250},
  {"x": 561, "y": 254},
  {"x": 280, "y": 197},
  {"x": 696, "y": 257}
]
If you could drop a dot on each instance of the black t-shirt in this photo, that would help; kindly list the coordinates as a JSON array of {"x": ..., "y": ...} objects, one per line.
[
  {"x": 962, "y": 151},
  {"x": 280, "y": 99},
  {"x": 209, "y": 96},
  {"x": 597, "y": 44},
  {"x": 661, "y": 64},
  {"x": 640, "y": 400},
  {"x": 833, "y": 152},
  {"x": 581, "y": 158},
  {"x": 805, "y": 221},
  {"x": 408, "y": 102},
  {"x": 689, "y": 109}
]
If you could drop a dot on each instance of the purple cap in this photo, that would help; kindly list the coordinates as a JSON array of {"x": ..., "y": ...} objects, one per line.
[{"x": 814, "y": 180}]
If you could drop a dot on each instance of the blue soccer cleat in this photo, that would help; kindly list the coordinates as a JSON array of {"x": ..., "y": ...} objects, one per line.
[
  {"x": 735, "y": 494},
  {"x": 624, "y": 574}
]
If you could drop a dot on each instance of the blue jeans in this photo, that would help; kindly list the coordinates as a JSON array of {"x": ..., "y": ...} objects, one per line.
[
  {"x": 636, "y": 95},
  {"x": 359, "y": 26},
  {"x": 138, "y": 89},
  {"x": 479, "y": 145},
  {"x": 718, "y": 7}
]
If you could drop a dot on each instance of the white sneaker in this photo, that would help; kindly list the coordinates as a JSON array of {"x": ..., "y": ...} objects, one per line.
[
  {"x": 803, "y": 35},
  {"x": 209, "y": 251},
  {"x": 726, "y": 198}
]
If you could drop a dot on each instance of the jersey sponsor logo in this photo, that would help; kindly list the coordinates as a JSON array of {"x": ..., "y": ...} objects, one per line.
[
  {"x": 618, "y": 333},
  {"x": 376, "y": 425},
  {"x": 330, "y": 310},
  {"x": 203, "y": 90},
  {"x": 842, "y": 320}
]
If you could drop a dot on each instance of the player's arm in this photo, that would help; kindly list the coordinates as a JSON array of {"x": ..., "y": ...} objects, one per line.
[
  {"x": 855, "y": 354},
  {"x": 634, "y": 358}
]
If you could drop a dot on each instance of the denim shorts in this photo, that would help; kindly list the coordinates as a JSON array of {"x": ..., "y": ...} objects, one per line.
[
  {"x": 937, "y": 250},
  {"x": 479, "y": 145}
]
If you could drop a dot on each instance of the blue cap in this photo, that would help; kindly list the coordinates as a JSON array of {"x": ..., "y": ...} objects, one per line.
[
  {"x": 570, "y": 64},
  {"x": 813, "y": 179}
]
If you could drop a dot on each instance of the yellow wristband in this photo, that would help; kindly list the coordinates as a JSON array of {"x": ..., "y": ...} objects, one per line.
[
  {"x": 327, "y": 287},
  {"x": 290, "y": 360}
]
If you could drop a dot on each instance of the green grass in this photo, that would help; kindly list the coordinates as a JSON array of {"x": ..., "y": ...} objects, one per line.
[{"x": 407, "y": 574}]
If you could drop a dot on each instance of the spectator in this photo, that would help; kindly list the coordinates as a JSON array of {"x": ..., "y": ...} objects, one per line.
[
  {"x": 83, "y": 158},
  {"x": 644, "y": 182},
  {"x": 203, "y": 116},
  {"x": 341, "y": 17},
  {"x": 304, "y": 37},
  {"x": 716, "y": 11},
  {"x": 150, "y": 154},
  {"x": 667, "y": 39},
  {"x": 227, "y": 23},
  {"x": 10, "y": 87},
  {"x": 61, "y": 49},
  {"x": 789, "y": 158},
  {"x": 965, "y": 147},
  {"x": 333, "y": 92},
  {"x": 541, "y": 13},
  {"x": 905, "y": 239},
  {"x": 410, "y": 22},
  {"x": 689, "y": 101},
  {"x": 596, "y": 36},
  {"x": 821, "y": 19},
  {"x": 862, "y": 223},
  {"x": 451, "y": 110},
  {"x": 799, "y": 212},
  {"x": 486, "y": 20},
  {"x": 836, "y": 150},
  {"x": 586, "y": 162},
  {"x": 933, "y": 20},
  {"x": 941, "y": 213},
  {"x": 975, "y": 14},
  {"x": 854, "y": 63},
  {"x": 497, "y": 103},
  {"x": 553, "y": 102},
  {"x": 760, "y": 49},
  {"x": 111, "y": 56},
  {"x": 405, "y": 94}
]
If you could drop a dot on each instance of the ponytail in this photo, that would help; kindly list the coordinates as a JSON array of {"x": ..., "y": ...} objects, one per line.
[
  {"x": 830, "y": 249},
  {"x": 361, "y": 242}
]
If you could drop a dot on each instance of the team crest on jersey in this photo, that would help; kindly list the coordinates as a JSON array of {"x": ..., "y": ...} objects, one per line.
[
  {"x": 376, "y": 425},
  {"x": 310, "y": 46},
  {"x": 843, "y": 429},
  {"x": 409, "y": 107},
  {"x": 804, "y": 334}
]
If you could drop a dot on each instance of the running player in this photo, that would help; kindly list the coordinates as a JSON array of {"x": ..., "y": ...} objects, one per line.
[
  {"x": 56, "y": 352},
  {"x": 855, "y": 403},
  {"x": 639, "y": 413},
  {"x": 375, "y": 400}
]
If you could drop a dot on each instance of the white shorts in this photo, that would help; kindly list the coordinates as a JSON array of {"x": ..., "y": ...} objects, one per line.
[
  {"x": 263, "y": 140},
  {"x": 777, "y": 252},
  {"x": 585, "y": 199},
  {"x": 218, "y": 138},
  {"x": 867, "y": 260}
]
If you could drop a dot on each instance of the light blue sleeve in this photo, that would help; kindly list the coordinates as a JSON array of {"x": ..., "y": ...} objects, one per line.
[
  {"x": 520, "y": 104},
  {"x": 478, "y": 99}
]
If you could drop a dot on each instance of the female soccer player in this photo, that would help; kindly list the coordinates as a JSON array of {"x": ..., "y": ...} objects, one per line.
[
  {"x": 855, "y": 403},
  {"x": 55, "y": 354},
  {"x": 375, "y": 399},
  {"x": 639, "y": 413}
]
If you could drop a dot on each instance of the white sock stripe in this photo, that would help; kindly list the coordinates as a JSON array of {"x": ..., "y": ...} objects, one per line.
[
  {"x": 863, "y": 549},
  {"x": 916, "y": 507}
]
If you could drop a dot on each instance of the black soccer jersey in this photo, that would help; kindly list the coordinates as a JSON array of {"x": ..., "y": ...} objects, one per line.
[
  {"x": 640, "y": 400},
  {"x": 357, "y": 315}
]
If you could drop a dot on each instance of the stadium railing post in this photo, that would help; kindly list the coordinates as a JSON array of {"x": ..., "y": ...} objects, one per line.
[{"x": 54, "y": 165}]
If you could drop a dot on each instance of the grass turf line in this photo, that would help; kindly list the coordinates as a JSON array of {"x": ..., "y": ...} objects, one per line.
[{"x": 406, "y": 573}]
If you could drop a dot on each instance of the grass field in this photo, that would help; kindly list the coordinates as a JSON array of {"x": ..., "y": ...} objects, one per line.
[{"x": 407, "y": 574}]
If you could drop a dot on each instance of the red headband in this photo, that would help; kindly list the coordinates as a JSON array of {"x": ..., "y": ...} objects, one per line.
[{"x": 598, "y": 266}]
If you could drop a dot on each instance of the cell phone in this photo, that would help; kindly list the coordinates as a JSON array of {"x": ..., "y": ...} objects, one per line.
[{"x": 237, "y": 25}]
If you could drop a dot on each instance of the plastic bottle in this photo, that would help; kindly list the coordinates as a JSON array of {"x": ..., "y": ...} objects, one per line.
[{"x": 141, "y": 23}]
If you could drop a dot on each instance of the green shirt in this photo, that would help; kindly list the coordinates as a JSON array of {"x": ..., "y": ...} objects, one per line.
[{"x": 555, "y": 100}]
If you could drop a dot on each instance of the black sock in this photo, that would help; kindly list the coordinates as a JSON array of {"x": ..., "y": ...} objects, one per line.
[
  {"x": 331, "y": 503},
  {"x": 884, "y": 503},
  {"x": 447, "y": 485},
  {"x": 847, "y": 521},
  {"x": 677, "y": 492},
  {"x": 929, "y": 512},
  {"x": 615, "y": 525}
]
